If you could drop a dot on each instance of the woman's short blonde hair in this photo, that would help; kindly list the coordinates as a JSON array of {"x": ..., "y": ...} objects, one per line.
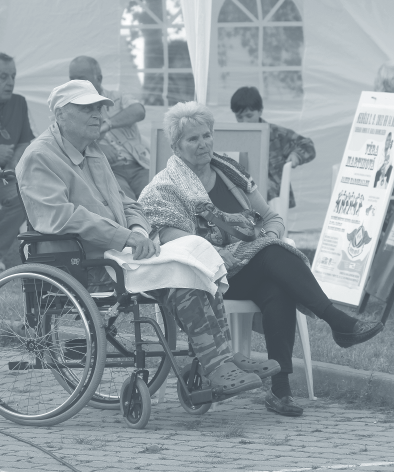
[
  {"x": 384, "y": 81},
  {"x": 182, "y": 114}
]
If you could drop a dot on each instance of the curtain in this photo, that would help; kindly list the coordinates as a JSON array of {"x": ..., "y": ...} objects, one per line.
[
  {"x": 197, "y": 15},
  {"x": 346, "y": 41},
  {"x": 45, "y": 35}
]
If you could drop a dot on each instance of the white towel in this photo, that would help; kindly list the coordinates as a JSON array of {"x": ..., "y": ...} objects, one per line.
[{"x": 188, "y": 262}]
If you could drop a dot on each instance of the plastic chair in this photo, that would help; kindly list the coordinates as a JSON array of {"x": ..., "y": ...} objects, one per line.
[
  {"x": 334, "y": 175},
  {"x": 250, "y": 138},
  {"x": 240, "y": 318},
  {"x": 281, "y": 204}
]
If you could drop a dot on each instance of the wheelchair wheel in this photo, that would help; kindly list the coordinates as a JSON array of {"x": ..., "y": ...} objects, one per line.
[
  {"x": 197, "y": 385},
  {"x": 119, "y": 367},
  {"x": 139, "y": 413},
  {"x": 51, "y": 336}
]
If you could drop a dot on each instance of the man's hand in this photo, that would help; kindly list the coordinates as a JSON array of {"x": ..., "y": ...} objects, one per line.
[
  {"x": 105, "y": 127},
  {"x": 6, "y": 154},
  {"x": 229, "y": 259},
  {"x": 143, "y": 248},
  {"x": 294, "y": 159}
]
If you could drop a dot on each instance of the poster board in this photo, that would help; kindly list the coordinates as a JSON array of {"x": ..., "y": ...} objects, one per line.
[{"x": 359, "y": 202}]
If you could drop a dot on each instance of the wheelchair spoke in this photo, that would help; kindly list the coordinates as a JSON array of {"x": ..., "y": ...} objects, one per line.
[
  {"x": 120, "y": 355},
  {"x": 46, "y": 356}
]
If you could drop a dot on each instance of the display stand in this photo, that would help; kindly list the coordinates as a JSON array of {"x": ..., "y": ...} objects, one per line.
[{"x": 358, "y": 206}]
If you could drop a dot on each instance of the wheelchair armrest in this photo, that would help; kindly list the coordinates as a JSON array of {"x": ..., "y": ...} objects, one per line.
[
  {"x": 35, "y": 236},
  {"x": 119, "y": 285}
]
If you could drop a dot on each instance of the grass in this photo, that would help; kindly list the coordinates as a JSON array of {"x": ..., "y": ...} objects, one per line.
[
  {"x": 92, "y": 441},
  {"x": 375, "y": 355},
  {"x": 235, "y": 429}
]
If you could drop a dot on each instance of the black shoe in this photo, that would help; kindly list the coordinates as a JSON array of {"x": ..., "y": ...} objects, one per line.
[
  {"x": 285, "y": 406},
  {"x": 362, "y": 331}
]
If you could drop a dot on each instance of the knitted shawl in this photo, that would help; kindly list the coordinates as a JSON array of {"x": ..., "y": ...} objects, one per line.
[
  {"x": 171, "y": 197},
  {"x": 170, "y": 200}
]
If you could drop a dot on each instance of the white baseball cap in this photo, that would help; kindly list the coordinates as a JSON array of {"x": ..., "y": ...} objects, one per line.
[{"x": 80, "y": 92}]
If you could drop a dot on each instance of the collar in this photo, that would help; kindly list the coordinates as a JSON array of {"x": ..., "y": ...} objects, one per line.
[{"x": 71, "y": 152}]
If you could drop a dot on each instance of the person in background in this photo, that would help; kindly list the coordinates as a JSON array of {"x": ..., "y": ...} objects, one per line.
[
  {"x": 15, "y": 136},
  {"x": 384, "y": 81},
  {"x": 285, "y": 144},
  {"x": 120, "y": 140}
]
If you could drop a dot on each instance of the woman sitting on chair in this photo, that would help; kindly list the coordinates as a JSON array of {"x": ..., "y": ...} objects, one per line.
[{"x": 198, "y": 183}]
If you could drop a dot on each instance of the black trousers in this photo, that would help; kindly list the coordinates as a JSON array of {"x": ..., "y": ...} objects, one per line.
[{"x": 276, "y": 280}]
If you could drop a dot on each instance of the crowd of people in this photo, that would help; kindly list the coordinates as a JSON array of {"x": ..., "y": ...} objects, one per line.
[
  {"x": 85, "y": 173},
  {"x": 128, "y": 153}
]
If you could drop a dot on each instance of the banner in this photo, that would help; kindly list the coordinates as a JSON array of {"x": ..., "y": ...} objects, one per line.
[{"x": 359, "y": 202}]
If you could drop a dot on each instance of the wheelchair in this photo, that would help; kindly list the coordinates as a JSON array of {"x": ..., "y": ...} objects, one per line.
[{"x": 63, "y": 347}]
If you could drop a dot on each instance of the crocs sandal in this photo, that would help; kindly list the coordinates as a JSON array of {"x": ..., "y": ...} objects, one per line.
[
  {"x": 230, "y": 379},
  {"x": 262, "y": 369}
]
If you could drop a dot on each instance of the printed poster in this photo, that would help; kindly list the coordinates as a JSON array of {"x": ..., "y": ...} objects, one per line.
[{"x": 359, "y": 202}]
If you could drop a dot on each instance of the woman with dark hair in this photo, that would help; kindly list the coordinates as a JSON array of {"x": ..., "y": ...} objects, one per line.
[{"x": 285, "y": 144}]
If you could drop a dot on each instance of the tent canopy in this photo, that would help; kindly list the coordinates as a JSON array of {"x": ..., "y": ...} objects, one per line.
[{"x": 313, "y": 88}]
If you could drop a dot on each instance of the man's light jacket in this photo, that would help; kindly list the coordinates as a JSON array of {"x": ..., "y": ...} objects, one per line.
[{"x": 61, "y": 195}]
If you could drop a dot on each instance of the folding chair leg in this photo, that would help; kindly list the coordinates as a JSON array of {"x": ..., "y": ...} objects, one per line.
[
  {"x": 162, "y": 392},
  {"x": 302, "y": 327},
  {"x": 162, "y": 389}
]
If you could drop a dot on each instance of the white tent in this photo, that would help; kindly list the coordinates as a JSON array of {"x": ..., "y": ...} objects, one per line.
[{"x": 345, "y": 42}]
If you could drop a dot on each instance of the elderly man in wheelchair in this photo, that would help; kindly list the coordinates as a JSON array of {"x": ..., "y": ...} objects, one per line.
[{"x": 69, "y": 333}]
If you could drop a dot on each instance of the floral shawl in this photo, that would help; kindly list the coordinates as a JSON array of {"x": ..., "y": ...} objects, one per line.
[{"x": 170, "y": 199}]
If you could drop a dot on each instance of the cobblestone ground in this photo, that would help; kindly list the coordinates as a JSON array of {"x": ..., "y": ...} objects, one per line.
[{"x": 238, "y": 435}]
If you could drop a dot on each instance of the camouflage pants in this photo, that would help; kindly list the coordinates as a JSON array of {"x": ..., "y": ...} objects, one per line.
[
  {"x": 200, "y": 316},
  {"x": 203, "y": 319}
]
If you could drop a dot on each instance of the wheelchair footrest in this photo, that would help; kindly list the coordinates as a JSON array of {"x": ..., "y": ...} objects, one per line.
[{"x": 201, "y": 396}]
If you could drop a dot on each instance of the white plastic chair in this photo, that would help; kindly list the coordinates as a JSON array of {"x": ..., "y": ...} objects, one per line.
[
  {"x": 281, "y": 204},
  {"x": 334, "y": 175},
  {"x": 240, "y": 319}
]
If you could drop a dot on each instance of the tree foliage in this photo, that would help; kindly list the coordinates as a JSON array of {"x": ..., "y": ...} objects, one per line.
[{"x": 180, "y": 85}]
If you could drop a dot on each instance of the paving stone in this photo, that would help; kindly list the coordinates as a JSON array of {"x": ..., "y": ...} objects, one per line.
[{"x": 98, "y": 441}]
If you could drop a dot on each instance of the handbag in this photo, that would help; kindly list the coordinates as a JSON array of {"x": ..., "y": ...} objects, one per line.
[{"x": 221, "y": 228}]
